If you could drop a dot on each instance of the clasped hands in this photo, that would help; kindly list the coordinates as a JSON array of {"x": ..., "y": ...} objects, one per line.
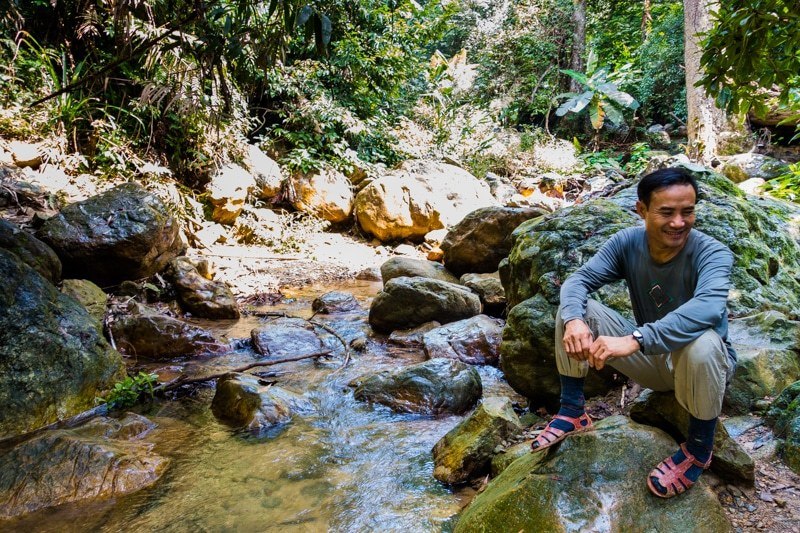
[{"x": 581, "y": 345}]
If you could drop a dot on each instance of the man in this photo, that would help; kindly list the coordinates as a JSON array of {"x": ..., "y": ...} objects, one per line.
[{"x": 678, "y": 279}]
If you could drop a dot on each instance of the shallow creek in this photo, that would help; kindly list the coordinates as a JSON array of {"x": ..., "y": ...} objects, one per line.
[{"x": 346, "y": 466}]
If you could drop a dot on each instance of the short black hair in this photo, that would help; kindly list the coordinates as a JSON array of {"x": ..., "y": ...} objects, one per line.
[{"x": 666, "y": 177}]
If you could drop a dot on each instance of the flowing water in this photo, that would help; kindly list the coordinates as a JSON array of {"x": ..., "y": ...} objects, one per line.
[{"x": 343, "y": 466}]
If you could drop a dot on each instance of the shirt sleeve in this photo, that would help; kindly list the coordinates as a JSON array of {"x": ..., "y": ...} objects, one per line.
[
  {"x": 602, "y": 269},
  {"x": 702, "y": 312}
]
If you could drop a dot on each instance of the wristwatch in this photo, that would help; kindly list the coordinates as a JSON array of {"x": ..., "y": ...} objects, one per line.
[{"x": 639, "y": 338}]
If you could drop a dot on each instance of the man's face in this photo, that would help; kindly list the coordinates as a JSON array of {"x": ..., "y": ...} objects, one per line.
[{"x": 669, "y": 218}]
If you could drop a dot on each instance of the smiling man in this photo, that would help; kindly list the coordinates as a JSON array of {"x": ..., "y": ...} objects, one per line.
[{"x": 678, "y": 279}]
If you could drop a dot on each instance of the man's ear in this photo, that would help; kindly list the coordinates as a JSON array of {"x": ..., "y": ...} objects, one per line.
[{"x": 640, "y": 208}]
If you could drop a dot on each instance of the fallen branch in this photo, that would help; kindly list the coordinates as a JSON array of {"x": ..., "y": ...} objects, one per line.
[
  {"x": 341, "y": 339},
  {"x": 183, "y": 380}
]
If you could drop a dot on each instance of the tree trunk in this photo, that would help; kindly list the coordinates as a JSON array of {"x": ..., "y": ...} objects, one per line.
[
  {"x": 578, "y": 41},
  {"x": 647, "y": 19},
  {"x": 711, "y": 131}
]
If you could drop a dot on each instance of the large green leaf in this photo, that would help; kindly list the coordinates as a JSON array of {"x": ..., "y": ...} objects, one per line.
[
  {"x": 596, "y": 113},
  {"x": 610, "y": 91},
  {"x": 575, "y": 104},
  {"x": 613, "y": 115}
]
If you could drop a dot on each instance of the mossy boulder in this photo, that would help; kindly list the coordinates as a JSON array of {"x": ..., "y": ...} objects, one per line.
[
  {"x": 768, "y": 345},
  {"x": 54, "y": 359},
  {"x": 88, "y": 295},
  {"x": 434, "y": 387},
  {"x": 784, "y": 413},
  {"x": 123, "y": 234},
  {"x": 30, "y": 250},
  {"x": 760, "y": 232},
  {"x": 593, "y": 481},
  {"x": 466, "y": 450}
]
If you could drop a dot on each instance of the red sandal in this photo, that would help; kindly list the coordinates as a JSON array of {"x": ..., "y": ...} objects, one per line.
[
  {"x": 673, "y": 477},
  {"x": 551, "y": 435}
]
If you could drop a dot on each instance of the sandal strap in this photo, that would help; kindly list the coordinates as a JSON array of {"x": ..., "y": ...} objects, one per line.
[
  {"x": 579, "y": 422},
  {"x": 693, "y": 459}
]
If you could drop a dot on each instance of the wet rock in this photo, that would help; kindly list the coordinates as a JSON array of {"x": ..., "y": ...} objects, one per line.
[
  {"x": 335, "y": 302},
  {"x": 418, "y": 197},
  {"x": 369, "y": 274},
  {"x": 784, "y": 413},
  {"x": 475, "y": 341},
  {"x": 149, "y": 334},
  {"x": 489, "y": 289},
  {"x": 408, "y": 302},
  {"x": 30, "y": 250},
  {"x": 129, "y": 427},
  {"x": 741, "y": 167},
  {"x": 245, "y": 401},
  {"x": 326, "y": 194},
  {"x": 593, "y": 481},
  {"x": 662, "y": 410},
  {"x": 505, "y": 458},
  {"x": 406, "y": 266},
  {"x": 54, "y": 359},
  {"x": 767, "y": 345},
  {"x": 266, "y": 172},
  {"x": 125, "y": 233},
  {"x": 88, "y": 295},
  {"x": 227, "y": 192},
  {"x": 66, "y": 466},
  {"x": 412, "y": 337},
  {"x": 466, "y": 450},
  {"x": 478, "y": 242},
  {"x": 198, "y": 295},
  {"x": 286, "y": 337},
  {"x": 434, "y": 387}
]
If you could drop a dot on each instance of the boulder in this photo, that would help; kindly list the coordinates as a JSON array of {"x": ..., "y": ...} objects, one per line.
[
  {"x": 88, "y": 295},
  {"x": 286, "y": 337},
  {"x": 148, "y": 334},
  {"x": 489, "y": 289},
  {"x": 741, "y": 167},
  {"x": 227, "y": 192},
  {"x": 246, "y": 401},
  {"x": 546, "y": 251},
  {"x": 101, "y": 461},
  {"x": 767, "y": 345},
  {"x": 412, "y": 338},
  {"x": 326, "y": 194},
  {"x": 482, "y": 239},
  {"x": 593, "y": 482},
  {"x": 434, "y": 387},
  {"x": 406, "y": 266},
  {"x": 662, "y": 410},
  {"x": 408, "y": 302},
  {"x": 54, "y": 359},
  {"x": 418, "y": 197},
  {"x": 475, "y": 341},
  {"x": 198, "y": 295},
  {"x": 335, "y": 302},
  {"x": 266, "y": 172},
  {"x": 25, "y": 154},
  {"x": 466, "y": 451},
  {"x": 784, "y": 414},
  {"x": 30, "y": 250},
  {"x": 505, "y": 458},
  {"x": 125, "y": 233}
]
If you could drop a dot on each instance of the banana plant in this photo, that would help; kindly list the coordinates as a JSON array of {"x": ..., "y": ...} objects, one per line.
[{"x": 600, "y": 96}]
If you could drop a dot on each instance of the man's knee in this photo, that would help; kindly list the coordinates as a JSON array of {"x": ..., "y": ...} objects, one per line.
[{"x": 707, "y": 351}]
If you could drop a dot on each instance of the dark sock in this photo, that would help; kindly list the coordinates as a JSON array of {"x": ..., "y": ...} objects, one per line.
[
  {"x": 572, "y": 401},
  {"x": 700, "y": 443}
]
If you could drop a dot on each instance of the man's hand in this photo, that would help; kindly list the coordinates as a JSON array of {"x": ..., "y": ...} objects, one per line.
[
  {"x": 606, "y": 347},
  {"x": 577, "y": 339}
]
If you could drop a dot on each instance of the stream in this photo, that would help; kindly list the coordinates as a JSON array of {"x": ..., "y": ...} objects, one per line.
[{"x": 343, "y": 466}]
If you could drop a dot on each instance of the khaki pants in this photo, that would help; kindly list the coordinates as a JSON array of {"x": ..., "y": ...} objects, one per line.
[{"x": 698, "y": 373}]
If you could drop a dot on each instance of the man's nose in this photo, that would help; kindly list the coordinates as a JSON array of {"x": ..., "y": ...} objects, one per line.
[{"x": 678, "y": 221}]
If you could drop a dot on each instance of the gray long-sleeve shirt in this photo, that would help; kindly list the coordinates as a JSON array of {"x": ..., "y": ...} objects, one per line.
[{"x": 674, "y": 302}]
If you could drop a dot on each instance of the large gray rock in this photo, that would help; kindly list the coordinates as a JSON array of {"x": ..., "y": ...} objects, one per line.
[
  {"x": 466, "y": 450},
  {"x": 489, "y": 289},
  {"x": 406, "y": 266},
  {"x": 418, "y": 197},
  {"x": 123, "y": 234},
  {"x": 335, "y": 302},
  {"x": 662, "y": 410},
  {"x": 286, "y": 337},
  {"x": 546, "y": 251},
  {"x": 407, "y": 302},
  {"x": 30, "y": 250},
  {"x": 475, "y": 341},
  {"x": 54, "y": 359},
  {"x": 102, "y": 461},
  {"x": 147, "y": 333},
  {"x": 593, "y": 482},
  {"x": 434, "y": 387},
  {"x": 784, "y": 414},
  {"x": 88, "y": 295},
  {"x": 202, "y": 297},
  {"x": 483, "y": 238},
  {"x": 741, "y": 167}
]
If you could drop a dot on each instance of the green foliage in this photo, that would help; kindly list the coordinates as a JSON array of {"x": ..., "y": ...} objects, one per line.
[
  {"x": 638, "y": 159},
  {"x": 130, "y": 391},
  {"x": 787, "y": 185},
  {"x": 599, "y": 96}
]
